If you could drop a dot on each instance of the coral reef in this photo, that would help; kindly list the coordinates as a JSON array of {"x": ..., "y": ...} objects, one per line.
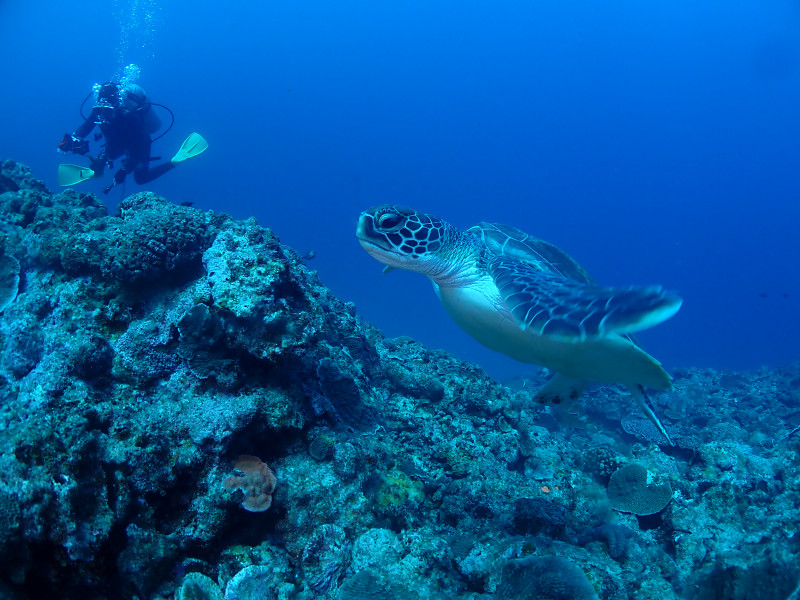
[
  {"x": 255, "y": 479},
  {"x": 633, "y": 489},
  {"x": 9, "y": 280},
  {"x": 145, "y": 352},
  {"x": 544, "y": 578}
]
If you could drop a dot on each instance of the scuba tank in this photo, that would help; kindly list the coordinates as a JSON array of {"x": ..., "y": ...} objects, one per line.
[{"x": 134, "y": 99}]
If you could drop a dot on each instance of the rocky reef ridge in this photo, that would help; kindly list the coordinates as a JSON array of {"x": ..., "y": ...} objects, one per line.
[{"x": 186, "y": 412}]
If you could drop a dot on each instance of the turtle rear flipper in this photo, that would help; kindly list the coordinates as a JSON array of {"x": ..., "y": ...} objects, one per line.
[
  {"x": 559, "y": 390},
  {"x": 643, "y": 401},
  {"x": 555, "y": 306}
]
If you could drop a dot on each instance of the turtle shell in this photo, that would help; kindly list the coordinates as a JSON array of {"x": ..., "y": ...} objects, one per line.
[{"x": 508, "y": 241}]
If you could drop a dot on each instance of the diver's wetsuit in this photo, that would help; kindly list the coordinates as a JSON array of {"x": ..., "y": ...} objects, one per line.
[{"x": 126, "y": 133}]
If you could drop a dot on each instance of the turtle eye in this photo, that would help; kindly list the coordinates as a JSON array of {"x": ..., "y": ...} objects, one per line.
[{"x": 389, "y": 220}]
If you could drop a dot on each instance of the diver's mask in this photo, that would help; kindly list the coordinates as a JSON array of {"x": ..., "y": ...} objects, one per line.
[
  {"x": 107, "y": 101},
  {"x": 104, "y": 114}
]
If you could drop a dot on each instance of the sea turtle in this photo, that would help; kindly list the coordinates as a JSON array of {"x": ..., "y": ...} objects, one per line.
[{"x": 528, "y": 299}]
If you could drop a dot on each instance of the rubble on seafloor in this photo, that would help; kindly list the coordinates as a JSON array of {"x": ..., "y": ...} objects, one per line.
[{"x": 187, "y": 412}]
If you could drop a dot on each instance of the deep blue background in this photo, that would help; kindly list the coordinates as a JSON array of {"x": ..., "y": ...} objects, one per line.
[{"x": 657, "y": 142}]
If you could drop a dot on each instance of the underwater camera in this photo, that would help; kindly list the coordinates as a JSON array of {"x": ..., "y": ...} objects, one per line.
[
  {"x": 80, "y": 146},
  {"x": 74, "y": 144}
]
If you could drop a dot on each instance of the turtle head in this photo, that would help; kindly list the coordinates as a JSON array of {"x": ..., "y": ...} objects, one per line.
[{"x": 404, "y": 238}]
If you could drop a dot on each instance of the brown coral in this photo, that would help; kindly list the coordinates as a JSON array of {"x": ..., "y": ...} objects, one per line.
[{"x": 255, "y": 479}]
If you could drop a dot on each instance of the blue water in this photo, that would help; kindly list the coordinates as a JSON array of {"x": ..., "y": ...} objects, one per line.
[{"x": 656, "y": 142}]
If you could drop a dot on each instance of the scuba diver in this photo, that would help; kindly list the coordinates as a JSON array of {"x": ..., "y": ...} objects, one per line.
[{"x": 126, "y": 120}]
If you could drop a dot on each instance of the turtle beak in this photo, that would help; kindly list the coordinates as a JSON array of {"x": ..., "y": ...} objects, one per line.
[
  {"x": 361, "y": 228},
  {"x": 370, "y": 241},
  {"x": 366, "y": 234}
]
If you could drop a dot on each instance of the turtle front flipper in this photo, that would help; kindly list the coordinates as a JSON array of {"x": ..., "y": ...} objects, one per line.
[{"x": 554, "y": 306}]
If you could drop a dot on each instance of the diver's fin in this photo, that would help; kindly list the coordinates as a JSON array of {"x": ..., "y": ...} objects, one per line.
[
  {"x": 192, "y": 146},
  {"x": 72, "y": 174}
]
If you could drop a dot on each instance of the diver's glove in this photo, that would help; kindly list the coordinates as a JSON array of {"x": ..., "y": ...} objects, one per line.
[
  {"x": 119, "y": 177},
  {"x": 98, "y": 165}
]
